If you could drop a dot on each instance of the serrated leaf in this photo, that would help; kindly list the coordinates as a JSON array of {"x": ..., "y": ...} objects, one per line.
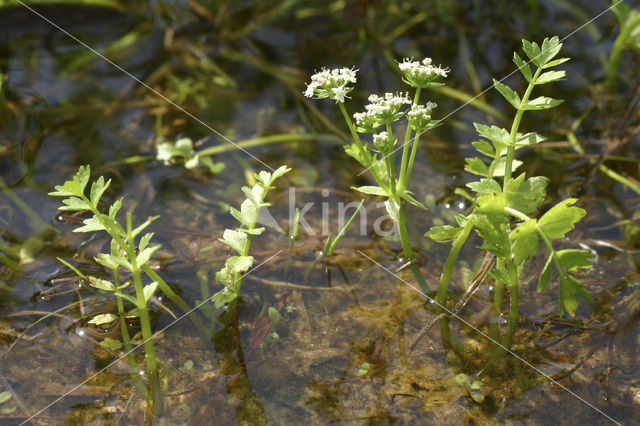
[
  {"x": 224, "y": 297},
  {"x": 568, "y": 290},
  {"x": 239, "y": 264},
  {"x": 526, "y": 196},
  {"x": 103, "y": 319},
  {"x": 532, "y": 50},
  {"x": 144, "y": 256},
  {"x": 234, "y": 239},
  {"x": 485, "y": 148},
  {"x": 144, "y": 241},
  {"x": 393, "y": 208},
  {"x": 555, "y": 62},
  {"x": 105, "y": 260},
  {"x": 97, "y": 189},
  {"x": 550, "y": 48},
  {"x": 501, "y": 274},
  {"x": 524, "y": 68},
  {"x": 560, "y": 219},
  {"x": 545, "y": 276},
  {"x": 500, "y": 166},
  {"x": 74, "y": 204},
  {"x": 143, "y": 225},
  {"x": 100, "y": 283},
  {"x": 90, "y": 225},
  {"x": 491, "y": 204},
  {"x": 279, "y": 172},
  {"x": 477, "y": 167},
  {"x": 485, "y": 186},
  {"x": 371, "y": 190},
  {"x": 524, "y": 241},
  {"x": 114, "y": 208},
  {"x": 409, "y": 198},
  {"x": 148, "y": 290},
  {"x": 443, "y": 233},
  {"x": 572, "y": 259},
  {"x": 110, "y": 343},
  {"x": 541, "y": 103},
  {"x": 115, "y": 260},
  {"x": 494, "y": 238},
  {"x": 527, "y": 139},
  {"x": 509, "y": 94},
  {"x": 550, "y": 76},
  {"x": 493, "y": 133}
]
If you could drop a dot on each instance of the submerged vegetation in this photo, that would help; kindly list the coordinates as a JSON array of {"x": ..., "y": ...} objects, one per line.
[{"x": 258, "y": 297}]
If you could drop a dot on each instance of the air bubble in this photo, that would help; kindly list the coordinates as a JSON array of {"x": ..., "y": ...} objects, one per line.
[
  {"x": 461, "y": 205},
  {"x": 447, "y": 206}
]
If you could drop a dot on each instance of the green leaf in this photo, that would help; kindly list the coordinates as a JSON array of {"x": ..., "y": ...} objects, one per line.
[
  {"x": 114, "y": 260},
  {"x": 494, "y": 238},
  {"x": 493, "y": 133},
  {"x": 143, "y": 225},
  {"x": 541, "y": 102},
  {"x": 144, "y": 241},
  {"x": 254, "y": 231},
  {"x": 491, "y": 204},
  {"x": 114, "y": 208},
  {"x": 100, "y": 283},
  {"x": 90, "y": 225},
  {"x": 234, "y": 239},
  {"x": 239, "y": 264},
  {"x": 524, "y": 241},
  {"x": 106, "y": 260},
  {"x": 110, "y": 343},
  {"x": 76, "y": 185},
  {"x": 144, "y": 256},
  {"x": 103, "y": 319},
  {"x": 74, "y": 204},
  {"x": 524, "y": 68},
  {"x": 485, "y": 148},
  {"x": 353, "y": 151},
  {"x": 555, "y": 62},
  {"x": 573, "y": 259},
  {"x": 550, "y": 76},
  {"x": 477, "y": 167},
  {"x": 443, "y": 233},
  {"x": 501, "y": 274},
  {"x": 532, "y": 50},
  {"x": 97, "y": 189},
  {"x": 393, "y": 208},
  {"x": 409, "y": 198},
  {"x": 148, "y": 291},
  {"x": 372, "y": 190},
  {"x": 5, "y": 396},
  {"x": 569, "y": 289},
  {"x": 274, "y": 316},
  {"x": 560, "y": 219},
  {"x": 500, "y": 166},
  {"x": 213, "y": 167},
  {"x": 509, "y": 94},
  {"x": 545, "y": 276},
  {"x": 485, "y": 186},
  {"x": 526, "y": 196},
  {"x": 223, "y": 297},
  {"x": 279, "y": 172},
  {"x": 550, "y": 48},
  {"x": 529, "y": 139}
]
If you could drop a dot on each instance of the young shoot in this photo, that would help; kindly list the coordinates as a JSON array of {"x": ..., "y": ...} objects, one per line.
[
  {"x": 239, "y": 239},
  {"x": 504, "y": 214}
]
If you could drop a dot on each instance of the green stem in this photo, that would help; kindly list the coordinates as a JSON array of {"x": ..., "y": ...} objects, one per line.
[
  {"x": 511, "y": 149},
  {"x": 618, "y": 48},
  {"x": 498, "y": 303},
  {"x": 445, "y": 278},
  {"x": 408, "y": 251},
  {"x": 154, "y": 398},
  {"x": 404, "y": 176},
  {"x": 514, "y": 315},
  {"x": 390, "y": 162},
  {"x": 366, "y": 155}
]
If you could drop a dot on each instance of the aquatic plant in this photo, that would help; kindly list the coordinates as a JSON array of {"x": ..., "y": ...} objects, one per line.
[
  {"x": 128, "y": 255},
  {"x": 628, "y": 38},
  {"x": 378, "y": 157},
  {"x": 239, "y": 239},
  {"x": 504, "y": 214}
]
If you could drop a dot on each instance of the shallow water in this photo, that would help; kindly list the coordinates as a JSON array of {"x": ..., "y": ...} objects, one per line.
[{"x": 240, "y": 67}]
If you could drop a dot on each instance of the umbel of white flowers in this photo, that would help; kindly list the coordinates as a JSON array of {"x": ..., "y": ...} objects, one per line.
[
  {"x": 331, "y": 84},
  {"x": 421, "y": 74}
]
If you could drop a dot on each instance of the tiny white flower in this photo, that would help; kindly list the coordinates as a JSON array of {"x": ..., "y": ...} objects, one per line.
[
  {"x": 339, "y": 93},
  {"x": 421, "y": 74}
]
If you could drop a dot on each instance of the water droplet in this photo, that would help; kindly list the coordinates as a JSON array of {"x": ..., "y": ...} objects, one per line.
[
  {"x": 447, "y": 206},
  {"x": 59, "y": 218},
  {"x": 490, "y": 288},
  {"x": 401, "y": 259},
  {"x": 461, "y": 205},
  {"x": 502, "y": 319},
  {"x": 320, "y": 253}
]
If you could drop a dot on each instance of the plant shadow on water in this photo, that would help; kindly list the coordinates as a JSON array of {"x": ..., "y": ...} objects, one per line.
[{"x": 317, "y": 338}]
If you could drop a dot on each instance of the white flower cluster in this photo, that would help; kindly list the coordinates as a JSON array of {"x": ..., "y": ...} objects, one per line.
[
  {"x": 383, "y": 142},
  {"x": 381, "y": 110},
  {"x": 421, "y": 74},
  {"x": 419, "y": 117},
  {"x": 331, "y": 84}
]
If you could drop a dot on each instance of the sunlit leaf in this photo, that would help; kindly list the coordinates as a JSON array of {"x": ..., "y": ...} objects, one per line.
[
  {"x": 550, "y": 76},
  {"x": 485, "y": 186},
  {"x": 526, "y": 196},
  {"x": 524, "y": 68},
  {"x": 509, "y": 94},
  {"x": 111, "y": 343},
  {"x": 234, "y": 239},
  {"x": 541, "y": 102},
  {"x": 524, "y": 241},
  {"x": 371, "y": 190},
  {"x": 572, "y": 259},
  {"x": 476, "y": 166},
  {"x": 239, "y": 264},
  {"x": 560, "y": 219},
  {"x": 97, "y": 189},
  {"x": 545, "y": 275},
  {"x": 148, "y": 290},
  {"x": 103, "y": 319},
  {"x": 443, "y": 233},
  {"x": 74, "y": 204},
  {"x": 569, "y": 289}
]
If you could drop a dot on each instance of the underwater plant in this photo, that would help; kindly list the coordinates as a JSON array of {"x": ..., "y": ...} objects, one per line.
[
  {"x": 504, "y": 214},
  {"x": 378, "y": 157}
]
